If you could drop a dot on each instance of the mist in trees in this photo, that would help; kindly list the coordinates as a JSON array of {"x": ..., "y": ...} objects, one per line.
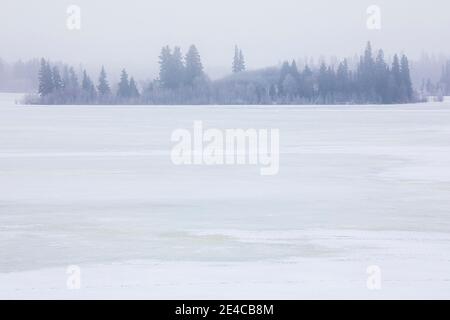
[
  {"x": 56, "y": 87},
  {"x": 19, "y": 76},
  {"x": 444, "y": 85},
  {"x": 182, "y": 80},
  {"x": 103, "y": 88},
  {"x": 238, "y": 61},
  {"x": 194, "y": 66},
  {"x": 436, "y": 89},
  {"x": 374, "y": 80}
]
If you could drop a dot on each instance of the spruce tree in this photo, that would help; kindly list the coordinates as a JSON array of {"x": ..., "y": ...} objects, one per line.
[
  {"x": 323, "y": 81},
  {"x": 367, "y": 83},
  {"x": 85, "y": 82},
  {"x": 177, "y": 74},
  {"x": 123, "y": 90},
  {"x": 272, "y": 92},
  {"x": 88, "y": 88},
  {"x": 294, "y": 70},
  {"x": 103, "y": 85},
  {"x": 236, "y": 67},
  {"x": 296, "y": 76},
  {"x": 331, "y": 83},
  {"x": 164, "y": 67},
  {"x": 45, "y": 79},
  {"x": 307, "y": 83},
  {"x": 65, "y": 77},
  {"x": 284, "y": 72},
  {"x": 194, "y": 67},
  {"x": 71, "y": 86},
  {"x": 134, "y": 92},
  {"x": 445, "y": 78},
  {"x": 395, "y": 85},
  {"x": 381, "y": 75},
  {"x": 406, "y": 79},
  {"x": 57, "y": 81},
  {"x": 368, "y": 57},
  {"x": 342, "y": 80},
  {"x": 41, "y": 77},
  {"x": 241, "y": 61},
  {"x": 289, "y": 87},
  {"x": 171, "y": 72},
  {"x": 73, "y": 80}
]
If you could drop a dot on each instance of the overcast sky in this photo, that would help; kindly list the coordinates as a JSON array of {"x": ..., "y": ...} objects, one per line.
[{"x": 131, "y": 33}]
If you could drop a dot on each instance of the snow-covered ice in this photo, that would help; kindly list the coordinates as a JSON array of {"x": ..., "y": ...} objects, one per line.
[{"x": 95, "y": 187}]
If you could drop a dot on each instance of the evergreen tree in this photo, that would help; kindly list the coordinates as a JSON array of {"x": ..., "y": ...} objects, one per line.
[
  {"x": 73, "y": 80},
  {"x": 396, "y": 71},
  {"x": 395, "y": 82},
  {"x": 88, "y": 87},
  {"x": 367, "y": 83},
  {"x": 273, "y": 92},
  {"x": 381, "y": 75},
  {"x": 134, "y": 92},
  {"x": 368, "y": 57},
  {"x": 406, "y": 79},
  {"x": 123, "y": 90},
  {"x": 71, "y": 85},
  {"x": 57, "y": 81},
  {"x": 65, "y": 77},
  {"x": 296, "y": 76},
  {"x": 331, "y": 82},
  {"x": 294, "y": 71},
  {"x": 103, "y": 85},
  {"x": 323, "y": 81},
  {"x": 194, "y": 67},
  {"x": 177, "y": 68},
  {"x": 85, "y": 82},
  {"x": 45, "y": 79},
  {"x": 236, "y": 61},
  {"x": 343, "y": 81},
  {"x": 241, "y": 61},
  {"x": 445, "y": 79},
  {"x": 171, "y": 72},
  {"x": 164, "y": 67},
  {"x": 284, "y": 72},
  {"x": 290, "y": 87},
  {"x": 307, "y": 86}
]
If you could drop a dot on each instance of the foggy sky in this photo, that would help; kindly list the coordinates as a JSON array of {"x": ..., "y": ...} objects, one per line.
[{"x": 131, "y": 33}]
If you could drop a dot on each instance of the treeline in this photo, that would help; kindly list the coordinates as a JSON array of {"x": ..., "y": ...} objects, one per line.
[
  {"x": 373, "y": 81},
  {"x": 19, "y": 76},
  {"x": 444, "y": 84},
  {"x": 439, "y": 88},
  {"x": 64, "y": 87},
  {"x": 182, "y": 80}
]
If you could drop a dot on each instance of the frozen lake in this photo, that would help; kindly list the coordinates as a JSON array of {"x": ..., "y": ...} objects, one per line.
[{"x": 95, "y": 187}]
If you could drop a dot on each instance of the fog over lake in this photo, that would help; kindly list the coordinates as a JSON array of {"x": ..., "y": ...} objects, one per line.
[{"x": 130, "y": 34}]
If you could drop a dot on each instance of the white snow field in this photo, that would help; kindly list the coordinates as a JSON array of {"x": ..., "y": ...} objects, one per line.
[{"x": 360, "y": 188}]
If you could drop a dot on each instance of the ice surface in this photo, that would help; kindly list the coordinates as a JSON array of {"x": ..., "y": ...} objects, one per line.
[{"x": 95, "y": 187}]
